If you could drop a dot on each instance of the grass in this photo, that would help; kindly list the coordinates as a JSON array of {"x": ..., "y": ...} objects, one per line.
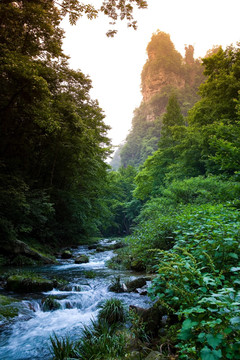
[{"x": 112, "y": 312}]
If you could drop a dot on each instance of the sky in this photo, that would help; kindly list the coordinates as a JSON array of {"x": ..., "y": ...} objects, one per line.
[{"x": 115, "y": 64}]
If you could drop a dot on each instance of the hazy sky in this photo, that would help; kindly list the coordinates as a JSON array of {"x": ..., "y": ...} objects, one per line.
[{"x": 115, "y": 64}]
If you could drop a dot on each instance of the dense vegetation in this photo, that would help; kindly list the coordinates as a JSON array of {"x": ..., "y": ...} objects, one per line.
[
  {"x": 53, "y": 140},
  {"x": 187, "y": 228}
]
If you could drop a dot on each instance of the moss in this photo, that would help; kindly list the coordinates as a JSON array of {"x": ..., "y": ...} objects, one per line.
[
  {"x": 82, "y": 259},
  {"x": 21, "y": 260},
  {"x": 50, "y": 304},
  {"x": 90, "y": 274},
  {"x": 66, "y": 254},
  {"x": 8, "y": 307},
  {"x": 21, "y": 283}
]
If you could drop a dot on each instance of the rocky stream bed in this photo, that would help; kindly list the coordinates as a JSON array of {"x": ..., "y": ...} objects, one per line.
[{"x": 63, "y": 310}]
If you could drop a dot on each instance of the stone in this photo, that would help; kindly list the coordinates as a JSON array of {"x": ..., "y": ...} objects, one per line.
[
  {"x": 154, "y": 355},
  {"x": 116, "y": 285},
  {"x": 9, "y": 307},
  {"x": 92, "y": 247},
  {"x": 137, "y": 265},
  {"x": 17, "y": 248},
  {"x": 152, "y": 318},
  {"x": 133, "y": 355},
  {"x": 100, "y": 249},
  {"x": 22, "y": 284},
  {"x": 82, "y": 259},
  {"x": 50, "y": 304},
  {"x": 135, "y": 284},
  {"x": 66, "y": 254}
]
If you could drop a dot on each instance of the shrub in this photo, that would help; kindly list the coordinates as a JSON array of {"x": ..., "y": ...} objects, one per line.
[
  {"x": 100, "y": 342},
  {"x": 61, "y": 348},
  {"x": 198, "y": 281},
  {"x": 112, "y": 312}
]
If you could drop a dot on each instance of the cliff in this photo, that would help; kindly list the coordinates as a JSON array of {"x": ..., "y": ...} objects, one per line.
[{"x": 164, "y": 72}]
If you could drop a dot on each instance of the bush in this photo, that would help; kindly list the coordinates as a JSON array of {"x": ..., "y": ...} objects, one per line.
[
  {"x": 61, "y": 348},
  {"x": 157, "y": 233},
  {"x": 198, "y": 281},
  {"x": 112, "y": 312},
  {"x": 100, "y": 342}
]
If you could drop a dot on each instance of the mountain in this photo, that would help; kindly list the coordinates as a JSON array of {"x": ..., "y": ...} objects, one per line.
[{"x": 164, "y": 72}]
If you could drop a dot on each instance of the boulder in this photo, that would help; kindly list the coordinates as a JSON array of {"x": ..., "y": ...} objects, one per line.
[
  {"x": 22, "y": 284},
  {"x": 17, "y": 248},
  {"x": 133, "y": 355},
  {"x": 50, "y": 304},
  {"x": 137, "y": 265},
  {"x": 66, "y": 254},
  {"x": 152, "y": 318},
  {"x": 135, "y": 284},
  {"x": 116, "y": 285},
  {"x": 9, "y": 307},
  {"x": 101, "y": 248},
  {"x": 82, "y": 259},
  {"x": 92, "y": 247},
  {"x": 118, "y": 245}
]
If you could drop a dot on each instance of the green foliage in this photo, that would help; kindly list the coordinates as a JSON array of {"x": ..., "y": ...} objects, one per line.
[
  {"x": 61, "y": 348},
  {"x": 112, "y": 312},
  {"x": 8, "y": 307},
  {"x": 90, "y": 274},
  {"x": 120, "y": 206},
  {"x": 100, "y": 341},
  {"x": 53, "y": 143},
  {"x": 137, "y": 326},
  {"x": 198, "y": 280},
  {"x": 142, "y": 141}
]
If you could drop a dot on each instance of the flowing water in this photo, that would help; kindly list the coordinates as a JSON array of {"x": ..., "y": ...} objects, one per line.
[{"x": 27, "y": 337}]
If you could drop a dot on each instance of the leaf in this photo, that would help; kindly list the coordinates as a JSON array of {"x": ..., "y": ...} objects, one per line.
[
  {"x": 188, "y": 324},
  {"x": 201, "y": 337},
  {"x": 214, "y": 340},
  {"x": 185, "y": 334},
  {"x": 208, "y": 354},
  {"x": 233, "y": 269},
  {"x": 235, "y": 320},
  {"x": 233, "y": 255}
]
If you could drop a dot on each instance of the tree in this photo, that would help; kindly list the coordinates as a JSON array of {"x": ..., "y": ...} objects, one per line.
[
  {"x": 220, "y": 91},
  {"x": 122, "y": 207},
  {"x": 53, "y": 140}
]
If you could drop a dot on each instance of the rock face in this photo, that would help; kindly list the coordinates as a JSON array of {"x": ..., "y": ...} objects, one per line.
[
  {"x": 17, "y": 247},
  {"x": 154, "y": 84},
  {"x": 165, "y": 72}
]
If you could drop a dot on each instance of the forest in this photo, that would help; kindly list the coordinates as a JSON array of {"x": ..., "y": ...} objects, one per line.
[{"x": 173, "y": 197}]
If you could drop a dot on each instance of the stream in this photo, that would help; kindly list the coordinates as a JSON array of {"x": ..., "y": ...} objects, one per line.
[{"x": 27, "y": 337}]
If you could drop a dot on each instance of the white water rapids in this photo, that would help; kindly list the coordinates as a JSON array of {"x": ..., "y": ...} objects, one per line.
[{"x": 27, "y": 337}]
